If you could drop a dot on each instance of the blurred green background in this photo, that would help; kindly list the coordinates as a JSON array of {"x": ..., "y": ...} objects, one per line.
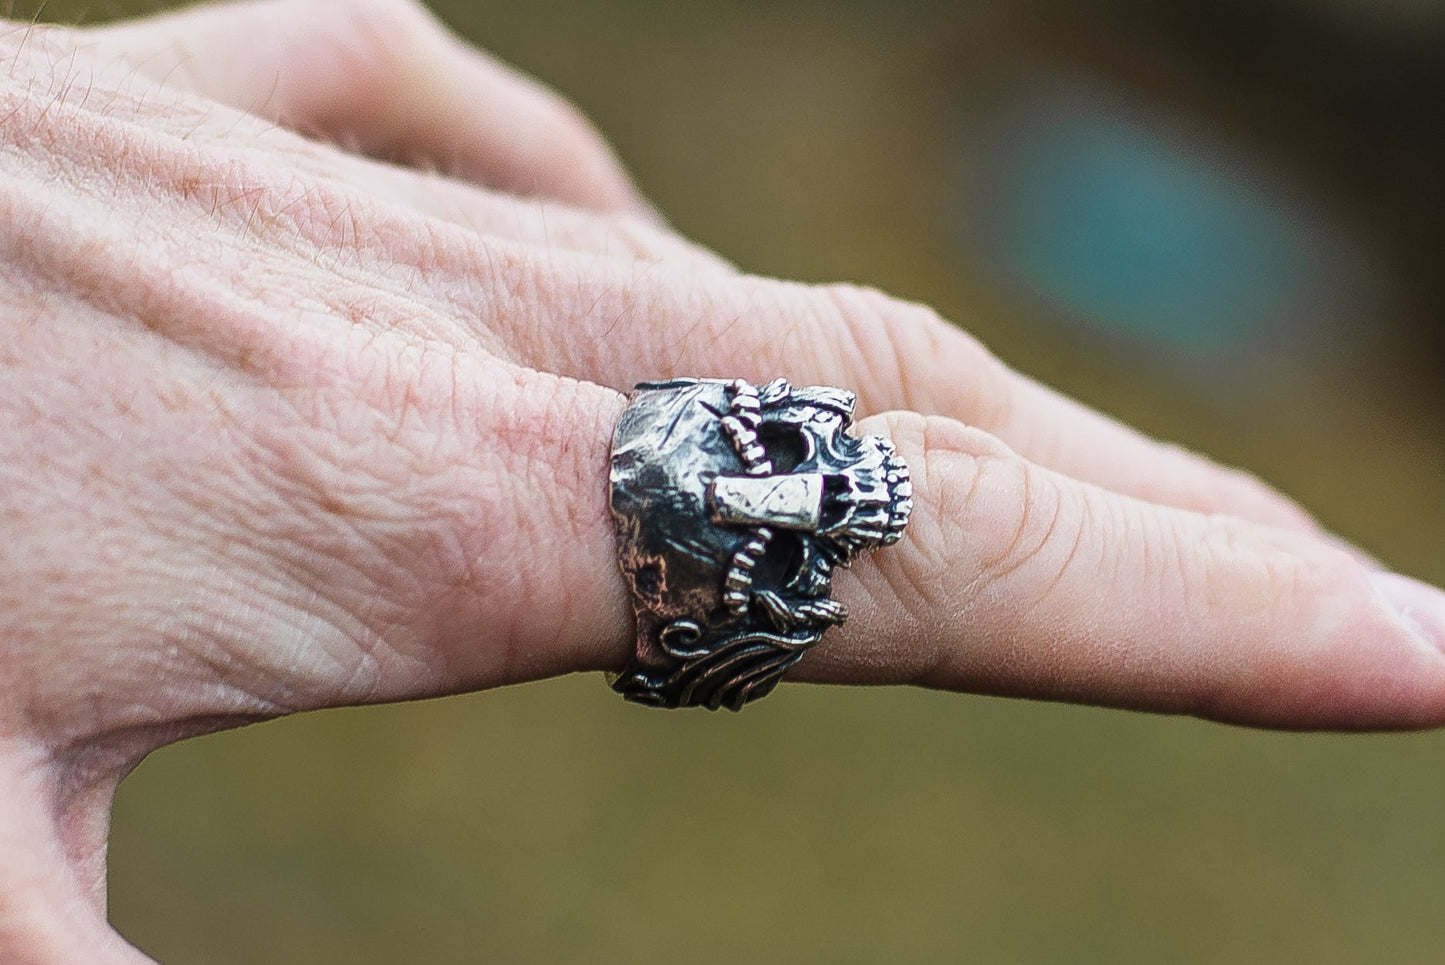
[{"x": 1220, "y": 221}]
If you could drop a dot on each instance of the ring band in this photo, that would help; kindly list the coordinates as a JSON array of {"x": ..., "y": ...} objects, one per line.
[{"x": 733, "y": 506}]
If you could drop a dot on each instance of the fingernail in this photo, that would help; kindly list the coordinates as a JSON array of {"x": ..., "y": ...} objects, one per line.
[{"x": 1418, "y": 604}]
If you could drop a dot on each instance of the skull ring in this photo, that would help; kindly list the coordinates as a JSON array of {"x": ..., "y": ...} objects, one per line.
[{"x": 733, "y": 506}]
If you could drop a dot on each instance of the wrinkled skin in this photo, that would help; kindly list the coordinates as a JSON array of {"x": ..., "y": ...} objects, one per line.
[{"x": 285, "y": 427}]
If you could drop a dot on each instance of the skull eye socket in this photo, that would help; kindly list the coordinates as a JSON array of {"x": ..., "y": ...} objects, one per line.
[
  {"x": 837, "y": 501},
  {"x": 780, "y": 562},
  {"x": 786, "y": 445}
]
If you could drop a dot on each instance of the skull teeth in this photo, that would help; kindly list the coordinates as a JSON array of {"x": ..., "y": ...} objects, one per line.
[
  {"x": 900, "y": 491},
  {"x": 776, "y": 390},
  {"x": 741, "y": 425},
  {"x": 738, "y": 584}
]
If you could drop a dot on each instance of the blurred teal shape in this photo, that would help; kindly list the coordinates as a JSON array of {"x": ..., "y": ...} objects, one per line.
[{"x": 1144, "y": 231}]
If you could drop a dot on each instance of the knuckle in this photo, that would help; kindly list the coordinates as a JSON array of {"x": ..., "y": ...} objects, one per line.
[
  {"x": 571, "y": 128},
  {"x": 876, "y": 337},
  {"x": 1238, "y": 487},
  {"x": 1266, "y": 573},
  {"x": 581, "y": 154},
  {"x": 988, "y": 532},
  {"x": 379, "y": 19},
  {"x": 1013, "y": 518},
  {"x": 1182, "y": 478},
  {"x": 372, "y": 44},
  {"x": 973, "y": 511},
  {"x": 894, "y": 347}
]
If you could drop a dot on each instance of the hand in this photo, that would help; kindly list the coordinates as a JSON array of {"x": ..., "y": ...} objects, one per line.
[{"x": 286, "y": 427}]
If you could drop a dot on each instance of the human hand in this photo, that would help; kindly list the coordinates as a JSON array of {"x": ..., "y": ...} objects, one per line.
[{"x": 289, "y": 428}]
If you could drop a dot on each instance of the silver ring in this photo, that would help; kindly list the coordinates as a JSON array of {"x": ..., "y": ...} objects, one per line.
[{"x": 734, "y": 505}]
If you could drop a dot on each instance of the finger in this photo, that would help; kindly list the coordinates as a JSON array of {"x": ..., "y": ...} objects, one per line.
[
  {"x": 385, "y": 77},
  {"x": 905, "y": 356},
  {"x": 1016, "y": 580},
  {"x": 167, "y": 51},
  {"x": 52, "y": 881},
  {"x": 623, "y": 327}
]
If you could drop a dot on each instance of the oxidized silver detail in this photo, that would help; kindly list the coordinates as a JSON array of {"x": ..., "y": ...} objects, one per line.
[
  {"x": 789, "y": 502},
  {"x": 733, "y": 506}
]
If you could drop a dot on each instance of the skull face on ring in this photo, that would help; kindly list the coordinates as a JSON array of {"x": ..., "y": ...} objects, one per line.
[{"x": 733, "y": 507}]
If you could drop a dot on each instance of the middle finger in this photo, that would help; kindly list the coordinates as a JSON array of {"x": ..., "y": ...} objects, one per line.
[{"x": 618, "y": 325}]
